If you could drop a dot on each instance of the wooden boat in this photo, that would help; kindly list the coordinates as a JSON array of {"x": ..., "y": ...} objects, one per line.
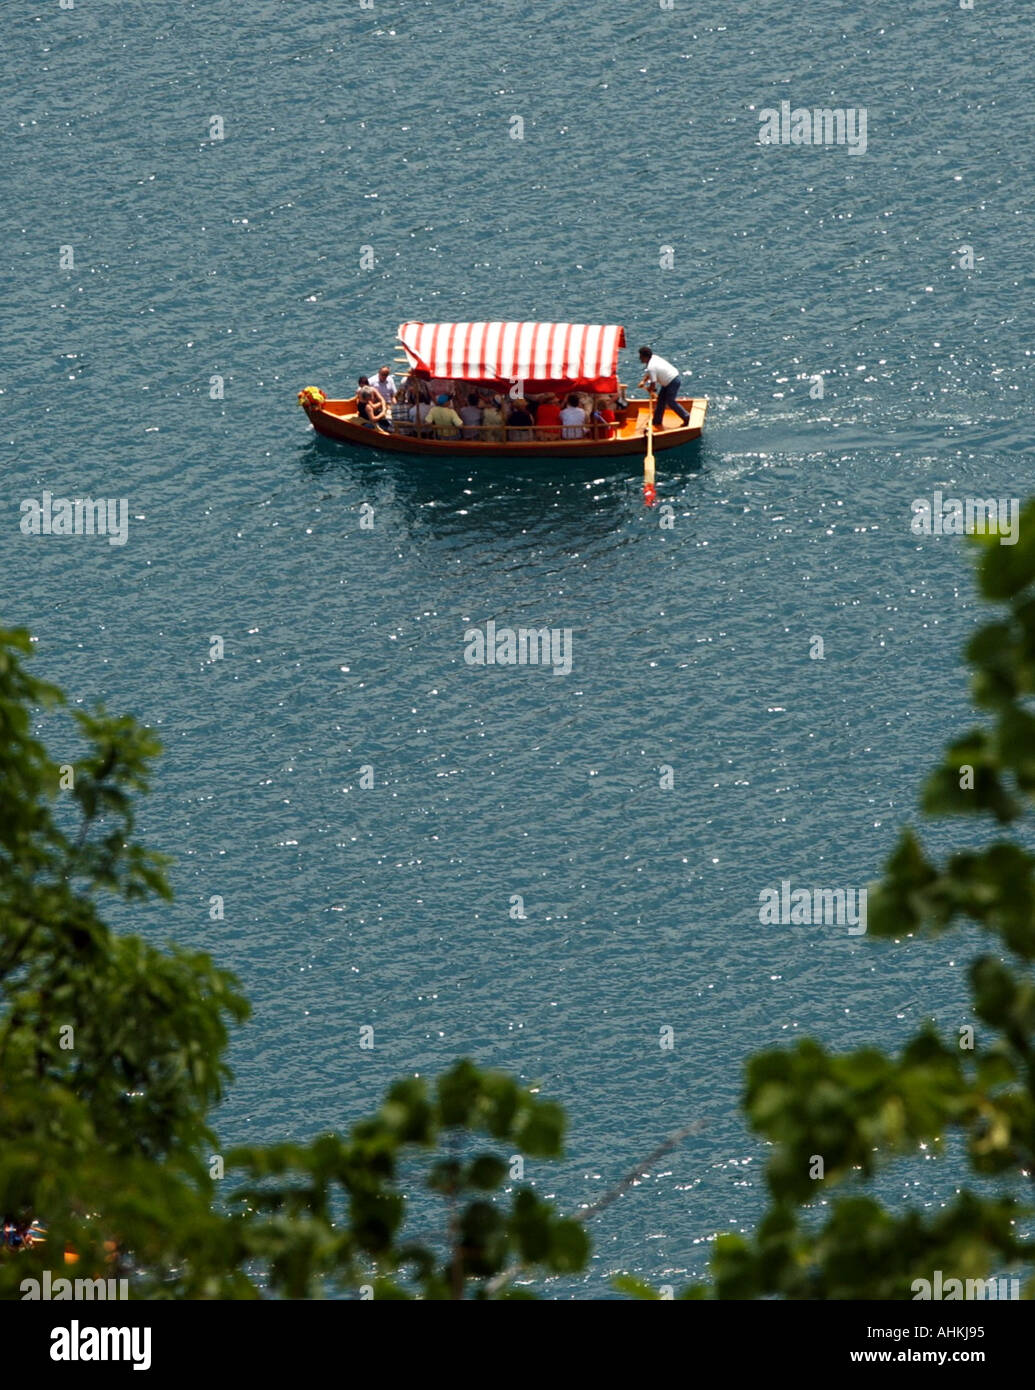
[
  {"x": 511, "y": 359},
  {"x": 338, "y": 420}
]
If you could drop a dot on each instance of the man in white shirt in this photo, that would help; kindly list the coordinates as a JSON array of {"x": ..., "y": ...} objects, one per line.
[
  {"x": 662, "y": 375},
  {"x": 573, "y": 419},
  {"x": 384, "y": 385}
]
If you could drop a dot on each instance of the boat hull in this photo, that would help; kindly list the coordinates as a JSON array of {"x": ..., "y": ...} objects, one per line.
[{"x": 338, "y": 420}]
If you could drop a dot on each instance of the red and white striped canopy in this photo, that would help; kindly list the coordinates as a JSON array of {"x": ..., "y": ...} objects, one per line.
[{"x": 538, "y": 355}]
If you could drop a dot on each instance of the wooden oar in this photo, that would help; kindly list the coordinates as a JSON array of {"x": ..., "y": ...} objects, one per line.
[{"x": 648, "y": 458}]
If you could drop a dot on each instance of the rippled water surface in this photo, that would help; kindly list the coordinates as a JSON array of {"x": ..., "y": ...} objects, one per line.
[{"x": 194, "y": 258}]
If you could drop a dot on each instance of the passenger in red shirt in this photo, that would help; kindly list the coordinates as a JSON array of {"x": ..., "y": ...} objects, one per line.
[{"x": 548, "y": 415}]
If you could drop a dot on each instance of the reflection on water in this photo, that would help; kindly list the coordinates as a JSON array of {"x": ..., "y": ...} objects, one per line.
[{"x": 447, "y": 494}]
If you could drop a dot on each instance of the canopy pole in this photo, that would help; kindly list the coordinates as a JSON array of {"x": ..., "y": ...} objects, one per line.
[
  {"x": 649, "y": 492},
  {"x": 413, "y": 388}
]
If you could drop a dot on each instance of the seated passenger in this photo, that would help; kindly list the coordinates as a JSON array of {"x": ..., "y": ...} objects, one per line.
[
  {"x": 492, "y": 418},
  {"x": 548, "y": 418},
  {"x": 519, "y": 421},
  {"x": 372, "y": 410},
  {"x": 603, "y": 419},
  {"x": 418, "y": 412},
  {"x": 471, "y": 414},
  {"x": 384, "y": 385},
  {"x": 444, "y": 419},
  {"x": 573, "y": 418}
]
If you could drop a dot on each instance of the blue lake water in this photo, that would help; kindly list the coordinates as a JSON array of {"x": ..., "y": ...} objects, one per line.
[{"x": 390, "y": 128}]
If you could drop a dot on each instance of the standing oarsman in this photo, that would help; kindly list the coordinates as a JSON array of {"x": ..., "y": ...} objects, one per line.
[{"x": 657, "y": 372}]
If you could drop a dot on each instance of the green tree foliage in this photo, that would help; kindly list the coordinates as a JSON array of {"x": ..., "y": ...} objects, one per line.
[
  {"x": 480, "y": 1238},
  {"x": 110, "y": 1049},
  {"x": 862, "y": 1110},
  {"x": 112, "y": 1056}
]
